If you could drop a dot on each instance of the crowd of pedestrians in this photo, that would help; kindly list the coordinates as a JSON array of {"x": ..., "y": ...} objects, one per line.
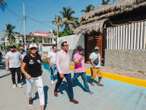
[{"x": 26, "y": 66}]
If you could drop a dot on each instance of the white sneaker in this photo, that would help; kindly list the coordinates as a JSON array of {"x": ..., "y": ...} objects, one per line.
[
  {"x": 14, "y": 86},
  {"x": 19, "y": 85}
]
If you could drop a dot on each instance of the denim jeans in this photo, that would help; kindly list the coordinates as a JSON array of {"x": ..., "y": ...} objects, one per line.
[
  {"x": 53, "y": 71},
  {"x": 84, "y": 78},
  {"x": 69, "y": 85}
]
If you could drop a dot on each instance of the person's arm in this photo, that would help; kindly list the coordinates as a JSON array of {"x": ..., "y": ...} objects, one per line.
[
  {"x": 75, "y": 59},
  {"x": 61, "y": 74},
  {"x": 7, "y": 62},
  {"x": 99, "y": 57},
  {"x": 20, "y": 58},
  {"x": 49, "y": 60},
  {"x": 23, "y": 69},
  {"x": 90, "y": 60}
]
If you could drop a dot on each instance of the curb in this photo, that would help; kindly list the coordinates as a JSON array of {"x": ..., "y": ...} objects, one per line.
[{"x": 122, "y": 78}]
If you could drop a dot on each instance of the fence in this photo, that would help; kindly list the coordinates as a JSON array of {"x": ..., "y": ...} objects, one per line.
[{"x": 130, "y": 36}]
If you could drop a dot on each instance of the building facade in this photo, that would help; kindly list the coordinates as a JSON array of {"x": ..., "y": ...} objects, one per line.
[{"x": 123, "y": 30}]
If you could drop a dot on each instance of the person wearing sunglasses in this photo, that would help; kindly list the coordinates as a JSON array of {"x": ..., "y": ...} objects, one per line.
[
  {"x": 31, "y": 68},
  {"x": 63, "y": 66}
]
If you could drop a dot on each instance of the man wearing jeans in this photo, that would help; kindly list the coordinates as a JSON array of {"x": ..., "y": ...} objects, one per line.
[
  {"x": 63, "y": 66},
  {"x": 52, "y": 63}
]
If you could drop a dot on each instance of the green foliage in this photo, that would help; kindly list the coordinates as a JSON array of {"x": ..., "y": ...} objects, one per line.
[
  {"x": 88, "y": 8},
  {"x": 105, "y": 2},
  {"x": 66, "y": 22},
  {"x": 10, "y": 33},
  {"x": 66, "y": 32}
]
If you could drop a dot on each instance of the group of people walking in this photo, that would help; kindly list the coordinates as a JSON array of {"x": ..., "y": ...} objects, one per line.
[{"x": 59, "y": 63}]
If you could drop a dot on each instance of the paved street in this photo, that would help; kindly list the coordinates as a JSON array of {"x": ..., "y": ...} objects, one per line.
[{"x": 113, "y": 95}]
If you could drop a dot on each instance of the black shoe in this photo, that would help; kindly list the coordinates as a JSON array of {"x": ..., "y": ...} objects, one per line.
[
  {"x": 92, "y": 84},
  {"x": 99, "y": 84},
  {"x": 90, "y": 92},
  {"x": 74, "y": 101},
  {"x": 30, "y": 101}
]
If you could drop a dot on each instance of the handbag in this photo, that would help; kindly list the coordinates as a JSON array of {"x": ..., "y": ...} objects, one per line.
[{"x": 96, "y": 61}]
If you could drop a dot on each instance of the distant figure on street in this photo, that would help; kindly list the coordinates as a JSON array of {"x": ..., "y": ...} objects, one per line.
[
  {"x": 1, "y": 56},
  {"x": 13, "y": 62},
  {"x": 52, "y": 62},
  {"x": 23, "y": 53},
  {"x": 31, "y": 68},
  {"x": 79, "y": 65},
  {"x": 95, "y": 60},
  {"x": 63, "y": 66}
]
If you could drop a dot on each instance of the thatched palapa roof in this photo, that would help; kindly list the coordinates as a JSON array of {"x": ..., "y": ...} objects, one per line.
[
  {"x": 95, "y": 26},
  {"x": 102, "y": 13}
]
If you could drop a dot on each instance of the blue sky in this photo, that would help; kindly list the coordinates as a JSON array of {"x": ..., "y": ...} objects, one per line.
[{"x": 40, "y": 13}]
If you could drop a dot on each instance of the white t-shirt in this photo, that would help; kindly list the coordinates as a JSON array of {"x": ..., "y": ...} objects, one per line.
[
  {"x": 94, "y": 56},
  {"x": 23, "y": 55},
  {"x": 52, "y": 55},
  {"x": 14, "y": 59}
]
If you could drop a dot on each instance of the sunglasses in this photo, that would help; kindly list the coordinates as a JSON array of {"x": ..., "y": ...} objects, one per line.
[
  {"x": 33, "y": 48},
  {"x": 65, "y": 45}
]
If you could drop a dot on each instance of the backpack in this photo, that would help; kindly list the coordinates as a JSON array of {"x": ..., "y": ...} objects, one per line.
[{"x": 96, "y": 61}]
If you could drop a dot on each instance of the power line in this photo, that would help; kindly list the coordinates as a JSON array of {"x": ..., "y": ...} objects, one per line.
[
  {"x": 14, "y": 13},
  {"x": 38, "y": 21},
  {"x": 27, "y": 17}
]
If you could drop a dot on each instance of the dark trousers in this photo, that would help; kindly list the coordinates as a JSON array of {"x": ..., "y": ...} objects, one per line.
[
  {"x": 15, "y": 71},
  {"x": 69, "y": 85}
]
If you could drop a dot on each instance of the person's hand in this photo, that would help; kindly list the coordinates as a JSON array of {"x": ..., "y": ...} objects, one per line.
[
  {"x": 94, "y": 66},
  {"x": 61, "y": 75},
  {"x": 28, "y": 76}
]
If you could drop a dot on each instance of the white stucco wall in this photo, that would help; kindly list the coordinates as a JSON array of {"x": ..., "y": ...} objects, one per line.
[{"x": 73, "y": 41}]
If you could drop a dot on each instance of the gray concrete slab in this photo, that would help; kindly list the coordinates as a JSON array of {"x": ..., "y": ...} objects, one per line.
[{"x": 113, "y": 95}]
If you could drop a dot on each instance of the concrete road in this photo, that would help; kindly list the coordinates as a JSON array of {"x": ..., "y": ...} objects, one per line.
[{"x": 113, "y": 95}]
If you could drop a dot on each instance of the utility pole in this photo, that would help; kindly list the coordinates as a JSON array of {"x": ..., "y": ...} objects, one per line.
[{"x": 24, "y": 23}]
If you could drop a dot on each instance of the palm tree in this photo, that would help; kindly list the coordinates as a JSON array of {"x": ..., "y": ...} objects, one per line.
[
  {"x": 3, "y": 5},
  {"x": 105, "y": 2},
  {"x": 58, "y": 22},
  {"x": 88, "y": 8},
  {"x": 10, "y": 34},
  {"x": 68, "y": 19}
]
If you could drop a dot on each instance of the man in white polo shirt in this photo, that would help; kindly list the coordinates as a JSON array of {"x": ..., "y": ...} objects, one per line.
[{"x": 13, "y": 62}]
